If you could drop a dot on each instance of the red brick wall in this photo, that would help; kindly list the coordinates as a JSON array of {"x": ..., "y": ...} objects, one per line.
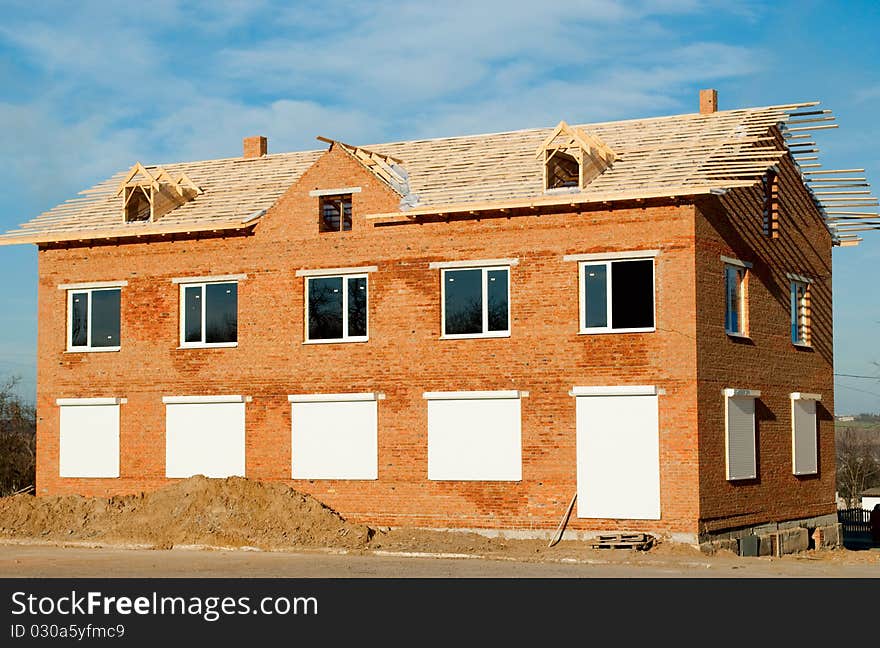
[
  {"x": 731, "y": 225},
  {"x": 403, "y": 358}
]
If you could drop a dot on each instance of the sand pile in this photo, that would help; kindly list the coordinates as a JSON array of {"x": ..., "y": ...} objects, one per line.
[{"x": 230, "y": 512}]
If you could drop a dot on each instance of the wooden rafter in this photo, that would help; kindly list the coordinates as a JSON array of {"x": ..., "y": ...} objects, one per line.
[{"x": 382, "y": 166}]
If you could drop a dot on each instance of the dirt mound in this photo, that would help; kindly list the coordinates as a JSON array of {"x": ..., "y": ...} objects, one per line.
[{"x": 231, "y": 512}]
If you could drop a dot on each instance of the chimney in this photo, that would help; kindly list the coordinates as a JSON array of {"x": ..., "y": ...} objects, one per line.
[
  {"x": 255, "y": 146},
  {"x": 708, "y": 101}
]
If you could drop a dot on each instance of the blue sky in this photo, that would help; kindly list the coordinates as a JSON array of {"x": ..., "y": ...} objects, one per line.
[{"x": 87, "y": 89}]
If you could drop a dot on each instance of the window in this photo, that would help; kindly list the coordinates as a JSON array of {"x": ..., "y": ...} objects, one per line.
[
  {"x": 204, "y": 435},
  {"x": 476, "y": 302},
  {"x": 617, "y": 296},
  {"x": 735, "y": 300},
  {"x": 563, "y": 170},
  {"x": 800, "y": 313},
  {"x": 474, "y": 435},
  {"x": 209, "y": 314},
  {"x": 88, "y": 437},
  {"x": 334, "y": 436},
  {"x": 93, "y": 319},
  {"x": 739, "y": 437},
  {"x": 804, "y": 448},
  {"x": 335, "y": 213},
  {"x": 336, "y": 308}
]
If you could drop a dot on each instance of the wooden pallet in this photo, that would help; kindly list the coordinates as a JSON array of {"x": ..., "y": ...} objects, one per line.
[{"x": 640, "y": 541}]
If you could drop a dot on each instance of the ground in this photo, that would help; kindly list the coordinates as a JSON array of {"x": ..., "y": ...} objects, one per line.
[
  {"x": 518, "y": 559},
  {"x": 236, "y": 527}
]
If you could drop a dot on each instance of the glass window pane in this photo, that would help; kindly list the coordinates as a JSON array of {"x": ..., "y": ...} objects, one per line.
[
  {"x": 325, "y": 308},
  {"x": 192, "y": 313},
  {"x": 221, "y": 313},
  {"x": 105, "y": 318},
  {"x": 463, "y": 301},
  {"x": 632, "y": 294},
  {"x": 794, "y": 313},
  {"x": 79, "y": 313},
  {"x": 595, "y": 296},
  {"x": 732, "y": 318},
  {"x": 346, "y": 213},
  {"x": 497, "y": 293},
  {"x": 357, "y": 307},
  {"x": 330, "y": 215}
]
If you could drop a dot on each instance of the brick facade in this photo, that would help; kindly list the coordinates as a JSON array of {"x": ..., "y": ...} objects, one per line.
[{"x": 689, "y": 357}]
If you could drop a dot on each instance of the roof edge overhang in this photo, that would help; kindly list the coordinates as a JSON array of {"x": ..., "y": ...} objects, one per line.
[
  {"x": 573, "y": 200},
  {"x": 122, "y": 232}
]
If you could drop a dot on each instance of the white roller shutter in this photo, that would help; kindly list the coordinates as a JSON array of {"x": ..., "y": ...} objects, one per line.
[
  {"x": 804, "y": 448},
  {"x": 618, "y": 453},
  {"x": 89, "y": 438},
  {"x": 739, "y": 416},
  {"x": 474, "y": 436},
  {"x": 204, "y": 436},
  {"x": 334, "y": 436}
]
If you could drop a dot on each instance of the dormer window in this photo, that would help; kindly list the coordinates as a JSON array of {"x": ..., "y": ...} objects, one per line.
[
  {"x": 563, "y": 170},
  {"x": 149, "y": 194},
  {"x": 137, "y": 204},
  {"x": 335, "y": 213},
  {"x": 572, "y": 158}
]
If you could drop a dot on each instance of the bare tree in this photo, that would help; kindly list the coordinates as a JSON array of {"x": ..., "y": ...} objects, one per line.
[
  {"x": 858, "y": 463},
  {"x": 17, "y": 439}
]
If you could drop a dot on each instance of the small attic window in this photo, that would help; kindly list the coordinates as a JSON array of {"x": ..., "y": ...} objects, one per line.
[
  {"x": 572, "y": 157},
  {"x": 563, "y": 170},
  {"x": 149, "y": 194},
  {"x": 335, "y": 213},
  {"x": 137, "y": 205}
]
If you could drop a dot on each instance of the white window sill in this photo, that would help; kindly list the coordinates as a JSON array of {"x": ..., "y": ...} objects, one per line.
[
  {"x": 739, "y": 336},
  {"x": 337, "y": 340},
  {"x": 93, "y": 350},
  {"x": 622, "y": 330},
  {"x": 801, "y": 345},
  {"x": 218, "y": 345},
  {"x": 476, "y": 336}
]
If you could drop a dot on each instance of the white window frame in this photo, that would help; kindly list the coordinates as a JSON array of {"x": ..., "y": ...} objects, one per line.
[
  {"x": 484, "y": 295},
  {"x": 88, "y": 348},
  {"x": 741, "y": 316},
  {"x": 201, "y": 282},
  {"x": 607, "y": 261},
  {"x": 799, "y": 313},
  {"x": 345, "y": 336}
]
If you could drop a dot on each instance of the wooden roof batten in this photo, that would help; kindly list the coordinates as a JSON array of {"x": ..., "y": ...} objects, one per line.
[
  {"x": 672, "y": 157},
  {"x": 158, "y": 191}
]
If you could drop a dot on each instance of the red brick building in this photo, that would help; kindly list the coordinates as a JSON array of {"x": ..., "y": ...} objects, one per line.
[{"x": 461, "y": 332}]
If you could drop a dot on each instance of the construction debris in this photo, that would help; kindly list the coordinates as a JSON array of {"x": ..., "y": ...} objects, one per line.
[{"x": 640, "y": 541}]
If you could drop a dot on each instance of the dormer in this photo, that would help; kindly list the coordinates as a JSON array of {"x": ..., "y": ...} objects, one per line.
[
  {"x": 147, "y": 195},
  {"x": 572, "y": 158}
]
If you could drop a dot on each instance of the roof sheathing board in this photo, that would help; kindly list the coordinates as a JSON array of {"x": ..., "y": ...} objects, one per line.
[{"x": 677, "y": 155}]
